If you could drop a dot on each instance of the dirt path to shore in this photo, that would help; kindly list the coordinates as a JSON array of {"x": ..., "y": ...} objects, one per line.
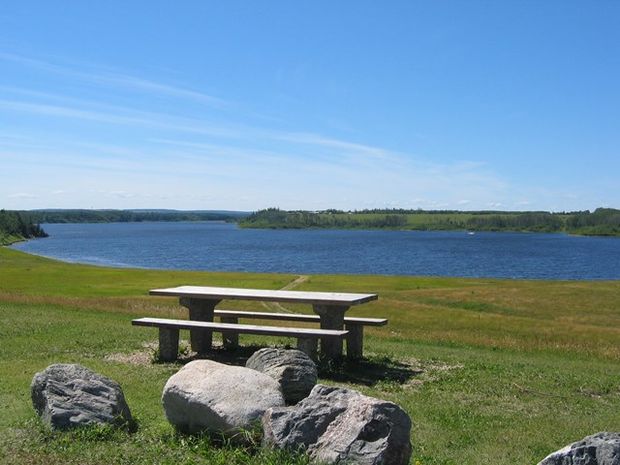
[{"x": 276, "y": 306}]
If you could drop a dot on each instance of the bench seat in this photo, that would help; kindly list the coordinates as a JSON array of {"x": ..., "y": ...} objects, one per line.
[
  {"x": 169, "y": 333},
  {"x": 354, "y": 325},
  {"x": 295, "y": 317}
]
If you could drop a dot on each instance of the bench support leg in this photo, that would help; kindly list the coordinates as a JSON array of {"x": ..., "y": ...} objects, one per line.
[
  {"x": 200, "y": 310},
  {"x": 355, "y": 341},
  {"x": 230, "y": 339},
  {"x": 308, "y": 345},
  {"x": 332, "y": 317},
  {"x": 168, "y": 344}
]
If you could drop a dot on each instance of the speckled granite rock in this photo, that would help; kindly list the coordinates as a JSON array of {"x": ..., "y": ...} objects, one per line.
[
  {"x": 70, "y": 395},
  {"x": 337, "y": 425},
  {"x": 598, "y": 449},
  {"x": 292, "y": 369}
]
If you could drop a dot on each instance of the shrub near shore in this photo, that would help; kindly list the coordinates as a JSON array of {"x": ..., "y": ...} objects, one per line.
[{"x": 490, "y": 371}]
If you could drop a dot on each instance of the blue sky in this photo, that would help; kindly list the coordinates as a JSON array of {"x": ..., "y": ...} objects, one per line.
[{"x": 511, "y": 105}]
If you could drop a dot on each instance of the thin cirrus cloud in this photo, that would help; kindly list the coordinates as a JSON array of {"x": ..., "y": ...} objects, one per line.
[
  {"x": 313, "y": 165},
  {"x": 118, "y": 115},
  {"x": 124, "y": 116},
  {"x": 22, "y": 195},
  {"x": 102, "y": 113},
  {"x": 114, "y": 79},
  {"x": 317, "y": 140}
]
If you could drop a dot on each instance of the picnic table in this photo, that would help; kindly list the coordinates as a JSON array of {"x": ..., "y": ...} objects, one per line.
[{"x": 329, "y": 306}]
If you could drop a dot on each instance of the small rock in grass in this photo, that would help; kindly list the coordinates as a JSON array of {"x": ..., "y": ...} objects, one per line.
[{"x": 70, "y": 395}]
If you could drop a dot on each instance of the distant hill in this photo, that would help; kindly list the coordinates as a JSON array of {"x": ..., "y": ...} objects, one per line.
[
  {"x": 127, "y": 216},
  {"x": 601, "y": 222}
]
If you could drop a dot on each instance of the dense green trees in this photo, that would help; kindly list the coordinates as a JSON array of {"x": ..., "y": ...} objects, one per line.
[
  {"x": 126, "y": 216},
  {"x": 14, "y": 226},
  {"x": 280, "y": 219},
  {"x": 540, "y": 222},
  {"x": 603, "y": 221}
]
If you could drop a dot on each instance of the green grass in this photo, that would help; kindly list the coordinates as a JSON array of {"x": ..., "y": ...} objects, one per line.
[
  {"x": 8, "y": 239},
  {"x": 490, "y": 371}
]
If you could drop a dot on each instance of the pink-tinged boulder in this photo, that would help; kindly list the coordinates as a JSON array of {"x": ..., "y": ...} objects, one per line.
[{"x": 337, "y": 425}]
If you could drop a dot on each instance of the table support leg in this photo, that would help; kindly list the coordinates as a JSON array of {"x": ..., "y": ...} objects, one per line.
[
  {"x": 355, "y": 341},
  {"x": 229, "y": 338},
  {"x": 168, "y": 344},
  {"x": 308, "y": 346},
  {"x": 200, "y": 310},
  {"x": 332, "y": 317}
]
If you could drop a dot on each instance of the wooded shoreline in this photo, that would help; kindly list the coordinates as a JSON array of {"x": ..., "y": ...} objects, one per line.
[
  {"x": 16, "y": 226},
  {"x": 601, "y": 222}
]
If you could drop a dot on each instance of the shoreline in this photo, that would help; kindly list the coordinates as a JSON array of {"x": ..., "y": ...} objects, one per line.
[
  {"x": 364, "y": 228},
  {"x": 279, "y": 227},
  {"x": 9, "y": 242}
]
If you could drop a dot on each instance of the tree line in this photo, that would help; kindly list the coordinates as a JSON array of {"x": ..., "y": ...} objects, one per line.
[
  {"x": 603, "y": 221},
  {"x": 275, "y": 218},
  {"x": 534, "y": 222},
  {"x": 15, "y": 227},
  {"x": 125, "y": 216}
]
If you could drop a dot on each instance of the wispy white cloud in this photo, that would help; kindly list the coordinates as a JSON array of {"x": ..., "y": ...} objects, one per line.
[
  {"x": 22, "y": 195},
  {"x": 121, "y": 194},
  {"x": 224, "y": 161},
  {"x": 11, "y": 137},
  {"x": 321, "y": 141},
  {"x": 317, "y": 146},
  {"x": 67, "y": 112},
  {"x": 121, "y": 117},
  {"x": 336, "y": 149},
  {"x": 115, "y": 79},
  {"x": 157, "y": 88}
]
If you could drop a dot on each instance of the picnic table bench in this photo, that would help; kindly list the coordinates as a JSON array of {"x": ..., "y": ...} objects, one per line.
[
  {"x": 329, "y": 309},
  {"x": 169, "y": 333}
]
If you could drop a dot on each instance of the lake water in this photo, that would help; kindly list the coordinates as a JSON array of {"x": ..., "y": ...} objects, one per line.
[{"x": 216, "y": 246}]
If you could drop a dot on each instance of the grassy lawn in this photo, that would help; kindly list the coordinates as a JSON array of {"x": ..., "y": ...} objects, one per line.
[{"x": 490, "y": 371}]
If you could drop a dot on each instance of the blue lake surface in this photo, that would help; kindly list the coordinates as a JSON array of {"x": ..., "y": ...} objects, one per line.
[{"x": 218, "y": 246}]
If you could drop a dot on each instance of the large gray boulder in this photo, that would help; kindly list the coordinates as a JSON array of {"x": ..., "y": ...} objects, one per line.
[
  {"x": 213, "y": 397},
  {"x": 292, "y": 369},
  {"x": 337, "y": 425},
  {"x": 598, "y": 449},
  {"x": 70, "y": 395}
]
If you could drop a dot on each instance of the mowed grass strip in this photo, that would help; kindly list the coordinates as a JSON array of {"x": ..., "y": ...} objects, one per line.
[{"x": 490, "y": 371}]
